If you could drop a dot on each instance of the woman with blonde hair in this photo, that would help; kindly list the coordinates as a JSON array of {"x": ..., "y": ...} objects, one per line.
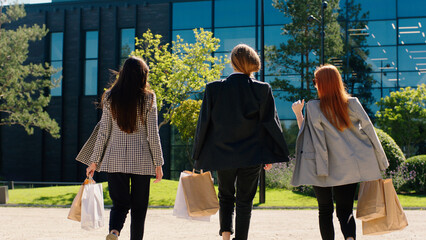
[
  {"x": 238, "y": 131},
  {"x": 128, "y": 146},
  {"x": 336, "y": 148}
]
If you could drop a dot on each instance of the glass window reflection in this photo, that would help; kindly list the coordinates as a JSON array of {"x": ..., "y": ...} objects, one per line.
[
  {"x": 377, "y": 9},
  {"x": 57, "y": 91},
  {"x": 293, "y": 80},
  {"x": 92, "y": 39},
  {"x": 412, "y": 31},
  {"x": 379, "y": 58},
  {"x": 412, "y": 58},
  {"x": 273, "y": 15},
  {"x": 230, "y": 37},
  {"x": 127, "y": 42},
  {"x": 235, "y": 13},
  {"x": 283, "y": 107},
  {"x": 56, "y": 58},
  {"x": 57, "y": 45},
  {"x": 412, "y": 79},
  {"x": 192, "y": 15},
  {"x": 274, "y": 36},
  {"x": 380, "y": 33},
  {"x": 228, "y": 68},
  {"x": 411, "y": 8},
  {"x": 91, "y": 76}
]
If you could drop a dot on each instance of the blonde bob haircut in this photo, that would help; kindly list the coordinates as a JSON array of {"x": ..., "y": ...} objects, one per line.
[{"x": 245, "y": 59}]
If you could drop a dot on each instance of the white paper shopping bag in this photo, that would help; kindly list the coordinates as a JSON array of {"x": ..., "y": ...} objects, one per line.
[
  {"x": 180, "y": 209},
  {"x": 92, "y": 207}
]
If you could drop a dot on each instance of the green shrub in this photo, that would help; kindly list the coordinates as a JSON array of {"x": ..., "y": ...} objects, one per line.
[
  {"x": 417, "y": 167},
  {"x": 392, "y": 150},
  {"x": 280, "y": 177}
]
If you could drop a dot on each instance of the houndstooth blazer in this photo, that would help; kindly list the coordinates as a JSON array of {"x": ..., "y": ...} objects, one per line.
[{"x": 117, "y": 151}]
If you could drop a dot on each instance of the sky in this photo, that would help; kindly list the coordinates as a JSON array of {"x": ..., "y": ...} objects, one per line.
[{"x": 27, "y": 1}]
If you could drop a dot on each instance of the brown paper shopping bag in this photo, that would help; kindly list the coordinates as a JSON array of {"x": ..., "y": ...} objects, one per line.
[
  {"x": 371, "y": 201},
  {"x": 395, "y": 218},
  {"x": 200, "y": 195},
  {"x": 75, "y": 210}
]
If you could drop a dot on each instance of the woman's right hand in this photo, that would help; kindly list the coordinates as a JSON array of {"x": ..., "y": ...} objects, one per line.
[{"x": 298, "y": 107}]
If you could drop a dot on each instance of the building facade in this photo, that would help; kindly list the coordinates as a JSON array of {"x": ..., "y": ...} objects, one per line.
[{"x": 87, "y": 38}]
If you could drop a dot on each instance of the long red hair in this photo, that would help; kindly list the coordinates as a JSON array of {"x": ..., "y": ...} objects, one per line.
[{"x": 333, "y": 96}]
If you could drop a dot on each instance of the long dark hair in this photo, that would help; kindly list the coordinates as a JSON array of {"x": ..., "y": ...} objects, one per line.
[{"x": 128, "y": 93}]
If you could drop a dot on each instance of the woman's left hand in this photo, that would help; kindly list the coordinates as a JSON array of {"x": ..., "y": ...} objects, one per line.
[
  {"x": 268, "y": 166},
  {"x": 90, "y": 170},
  {"x": 158, "y": 174}
]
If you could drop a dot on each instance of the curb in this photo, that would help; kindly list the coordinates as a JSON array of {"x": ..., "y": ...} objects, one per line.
[{"x": 170, "y": 207}]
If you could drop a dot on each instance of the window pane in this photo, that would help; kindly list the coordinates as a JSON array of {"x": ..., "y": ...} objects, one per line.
[
  {"x": 379, "y": 58},
  {"x": 379, "y": 33},
  {"x": 411, "y": 8},
  {"x": 228, "y": 67},
  {"x": 412, "y": 79},
  {"x": 235, "y": 13},
  {"x": 57, "y": 91},
  {"x": 92, "y": 44},
  {"x": 412, "y": 58},
  {"x": 293, "y": 80},
  {"x": 127, "y": 42},
  {"x": 384, "y": 79},
  {"x": 273, "y": 15},
  {"x": 57, "y": 44},
  {"x": 91, "y": 77},
  {"x": 274, "y": 36},
  {"x": 412, "y": 30},
  {"x": 192, "y": 15},
  {"x": 377, "y": 9},
  {"x": 230, "y": 37},
  {"x": 187, "y": 35},
  {"x": 283, "y": 107}
]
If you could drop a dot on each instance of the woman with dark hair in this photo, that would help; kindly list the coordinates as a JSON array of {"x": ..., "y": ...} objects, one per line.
[
  {"x": 128, "y": 146},
  {"x": 336, "y": 148},
  {"x": 238, "y": 132}
]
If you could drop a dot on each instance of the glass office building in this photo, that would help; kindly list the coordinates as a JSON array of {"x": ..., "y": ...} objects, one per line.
[
  {"x": 393, "y": 45},
  {"x": 87, "y": 38}
]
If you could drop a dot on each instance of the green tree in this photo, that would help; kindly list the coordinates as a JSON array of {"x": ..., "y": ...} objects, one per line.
[
  {"x": 23, "y": 85},
  {"x": 185, "y": 120},
  {"x": 300, "y": 54},
  {"x": 181, "y": 71},
  {"x": 359, "y": 80},
  {"x": 403, "y": 116}
]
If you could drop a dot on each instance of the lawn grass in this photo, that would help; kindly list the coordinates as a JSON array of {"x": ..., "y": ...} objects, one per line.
[{"x": 164, "y": 193}]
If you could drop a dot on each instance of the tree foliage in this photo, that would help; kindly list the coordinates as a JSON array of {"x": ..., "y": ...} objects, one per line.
[
  {"x": 23, "y": 85},
  {"x": 179, "y": 71},
  {"x": 403, "y": 116},
  {"x": 300, "y": 54}
]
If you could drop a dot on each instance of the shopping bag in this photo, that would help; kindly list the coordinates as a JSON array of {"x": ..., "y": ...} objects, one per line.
[
  {"x": 92, "y": 207},
  {"x": 395, "y": 218},
  {"x": 371, "y": 200},
  {"x": 75, "y": 210},
  {"x": 200, "y": 195},
  {"x": 180, "y": 210}
]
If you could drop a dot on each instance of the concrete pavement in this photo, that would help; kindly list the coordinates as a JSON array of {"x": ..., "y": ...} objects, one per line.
[{"x": 26, "y": 223}]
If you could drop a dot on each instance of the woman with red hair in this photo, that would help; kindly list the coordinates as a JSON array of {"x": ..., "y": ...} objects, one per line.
[{"x": 336, "y": 148}]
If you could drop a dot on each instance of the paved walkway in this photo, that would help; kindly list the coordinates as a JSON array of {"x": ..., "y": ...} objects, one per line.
[{"x": 51, "y": 224}]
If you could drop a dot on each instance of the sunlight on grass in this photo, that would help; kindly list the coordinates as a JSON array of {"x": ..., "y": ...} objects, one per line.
[{"x": 164, "y": 193}]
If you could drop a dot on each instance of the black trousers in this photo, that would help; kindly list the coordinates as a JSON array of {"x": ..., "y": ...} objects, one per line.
[
  {"x": 245, "y": 181},
  {"x": 123, "y": 198},
  {"x": 344, "y": 197}
]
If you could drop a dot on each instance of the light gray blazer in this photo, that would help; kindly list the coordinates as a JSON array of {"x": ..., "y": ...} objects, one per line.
[
  {"x": 117, "y": 151},
  {"x": 327, "y": 157}
]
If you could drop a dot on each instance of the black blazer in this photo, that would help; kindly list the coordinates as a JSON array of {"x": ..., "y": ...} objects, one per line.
[{"x": 238, "y": 126}]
